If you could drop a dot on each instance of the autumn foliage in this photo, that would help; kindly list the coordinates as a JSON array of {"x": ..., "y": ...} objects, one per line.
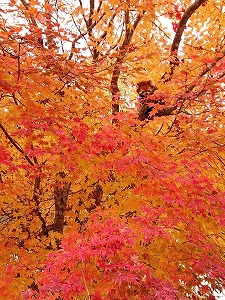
[{"x": 94, "y": 203}]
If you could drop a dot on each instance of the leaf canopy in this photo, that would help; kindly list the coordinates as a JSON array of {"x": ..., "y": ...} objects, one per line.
[{"x": 96, "y": 204}]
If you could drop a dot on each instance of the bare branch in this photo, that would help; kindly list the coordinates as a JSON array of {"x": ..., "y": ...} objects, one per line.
[
  {"x": 99, "y": 6},
  {"x": 177, "y": 39},
  {"x": 85, "y": 20},
  {"x": 182, "y": 24},
  {"x": 91, "y": 12},
  {"x": 103, "y": 36},
  {"x": 82, "y": 34},
  {"x": 117, "y": 67},
  {"x": 32, "y": 20},
  {"x": 15, "y": 144}
]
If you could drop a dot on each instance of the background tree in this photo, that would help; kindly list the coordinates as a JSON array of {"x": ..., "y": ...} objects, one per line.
[{"x": 119, "y": 203}]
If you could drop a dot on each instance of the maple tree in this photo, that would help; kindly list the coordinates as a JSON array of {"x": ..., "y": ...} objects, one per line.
[{"x": 95, "y": 203}]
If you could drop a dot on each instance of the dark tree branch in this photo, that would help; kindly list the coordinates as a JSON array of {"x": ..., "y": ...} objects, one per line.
[
  {"x": 32, "y": 20},
  {"x": 177, "y": 39},
  {"x": 18, "y": 63},
  {"x": 61, "y": 194},
  {"x": 37, "y": 185},
  {"x": 7, "y": 52},
  {"x": 118, "y": 64},
  {"x": 102, "y": 37},
  {"x": 15, "y": 144},
  {"x": 82, "y": 34},
  {"x": 99, "y": 6},
  {"x": 85, "y": 20},
  {"x": 207, "y": 69},
  {"x": 146, "y": 108},
  {"x": 190, "y": 88},
  {"x": 91, "y": 12},
  {"x": 90, "y": 24},
  {"x": 182, "y": 24},
  {"x": 37, "y": 181},
  {"x": 166, "y": 35},
  {"x": 97, "y": 195}
]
